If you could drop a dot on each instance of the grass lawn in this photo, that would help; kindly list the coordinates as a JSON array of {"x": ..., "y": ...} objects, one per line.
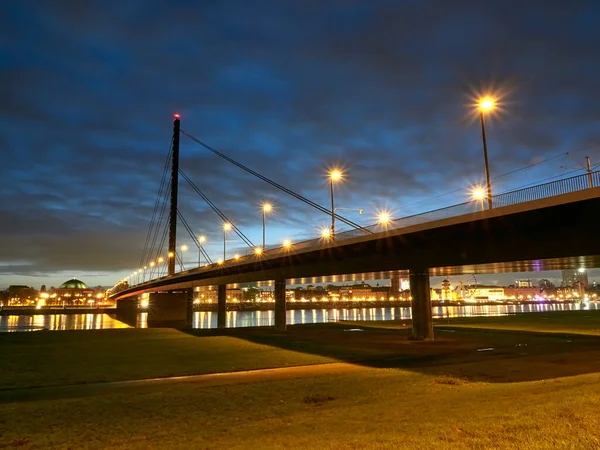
[
  {"x": 45, "y": 358},
  {"x": 468, "y": 389},
  {"x": 570, "y": 322}
]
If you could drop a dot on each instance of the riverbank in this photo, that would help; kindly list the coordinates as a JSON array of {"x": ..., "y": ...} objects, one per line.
[{"x": 471, "y": 388}]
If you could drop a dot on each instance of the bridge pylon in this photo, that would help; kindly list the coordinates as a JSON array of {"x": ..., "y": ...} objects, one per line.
[{"x": 173, "y": 207}]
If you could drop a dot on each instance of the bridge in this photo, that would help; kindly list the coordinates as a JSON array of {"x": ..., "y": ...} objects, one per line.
[{"x": 551, "y": 226}]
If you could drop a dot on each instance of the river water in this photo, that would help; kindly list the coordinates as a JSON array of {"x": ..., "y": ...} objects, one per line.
[{"x": 205, "y": 320}]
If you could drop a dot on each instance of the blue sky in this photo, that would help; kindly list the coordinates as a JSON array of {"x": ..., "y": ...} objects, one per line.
[{"x": 382, "y": 88}]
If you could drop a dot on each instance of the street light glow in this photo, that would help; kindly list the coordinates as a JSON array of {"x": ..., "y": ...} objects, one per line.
[
  {"x": 219, "y": 262},
  {"x": 287, "y": 243},
  {"x": 384, "y": 217},
  {"x": 202, "y": 239},
  {"x": 161, "y": 259},
  {"x": 258, "y": 251},
  {"x": 171, "y": 255},
  {"x": 335, "y": 175},
  {"x": 227, "y": 226},
  {"x": 267, "y": 207},
  {"x": 325, "y": 232},
  {"x": 184, "y": 248},
  {"x": 487, "y": 103},
  {"x": 236, "y": 256},
  {"x": 478, "y": 193},
  {"x": 581, "y": 270},
  {"x": 152, "y": 264}
]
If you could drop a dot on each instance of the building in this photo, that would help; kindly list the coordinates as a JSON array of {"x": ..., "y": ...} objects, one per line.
[
  {"x": 486, "y": 293},
  {"x": 73, "y": 292},
  {"x": 575, "y": 278},
  {"x": 523, "y": 283}
]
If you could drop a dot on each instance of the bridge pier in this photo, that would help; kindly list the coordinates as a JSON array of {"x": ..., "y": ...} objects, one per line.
[
  {"x": 221, "y": 305},
  {"x": 280, "y": 306},
  {"x": 170, "y": 309},
  {"x": 422, "y": 320},
  {"x": 127, "y": 310}
]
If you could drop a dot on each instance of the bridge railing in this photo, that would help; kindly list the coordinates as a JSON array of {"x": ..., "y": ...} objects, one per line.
[{"x": 546, "y": 190}]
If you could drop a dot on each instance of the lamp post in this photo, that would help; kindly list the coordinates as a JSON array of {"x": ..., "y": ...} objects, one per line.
[
  {"x": 226, "y": 228},
  {"x": 334, "y": 175},
  {"x": 486, "y": 104},
  {"x": 201, "y": 240},
  {"x": 266, "y": 208},
  {"x": 184, "y": 248}
]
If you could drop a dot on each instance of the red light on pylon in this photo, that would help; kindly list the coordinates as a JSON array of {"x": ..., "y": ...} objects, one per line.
[{"x": 177, "y": 116}]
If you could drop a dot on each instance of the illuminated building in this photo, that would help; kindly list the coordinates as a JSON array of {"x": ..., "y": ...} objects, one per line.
[
  {"x": 575, "y": 278},
  {"x": 73, "y": 292}
]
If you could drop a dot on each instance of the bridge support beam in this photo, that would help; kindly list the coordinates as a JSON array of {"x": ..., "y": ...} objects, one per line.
[
  {"x": 170, "y": 309},
  {"x": 280, "y": 306},
  {"x": 422, "y": 320},
  {"x": 127, "y": 311},
  {"x": 221, "y": 305}
]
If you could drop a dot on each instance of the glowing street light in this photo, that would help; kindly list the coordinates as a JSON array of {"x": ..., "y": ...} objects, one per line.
[
  {"x": 287, "y": 244},
  {"x": 384, "y": 218},
  {"x": 326, "y": 233},
  {"x": 486, "y": 104},
  {"x": 335, "y": 175},
  {"x": 226, "y": 228},
  {"x": 478, "y": 194},
  {"x": 161, "y": 259},
  {"x": 220, "y": 262},
  {"x": 236, "y": 257},
  {"x": 266, "y": 208},
  {"x": 258, "y": 251}
]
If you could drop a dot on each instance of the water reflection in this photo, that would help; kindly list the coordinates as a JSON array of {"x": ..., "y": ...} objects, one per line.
[
  {"x": 236, "y": 319},
  {"x": 59, "y": 322}
]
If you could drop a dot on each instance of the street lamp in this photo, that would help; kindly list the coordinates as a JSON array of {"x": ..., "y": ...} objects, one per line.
[
  {"x": 258, "y": 251},
  {"x": 326, "y": 233},
  {"x": 334, "y": 176},
  {"x": 384, "y": 218},
  {"x": 486, "y": 104},
  {"x": 478, "y": 194},
  {"x": 266, "y": 208},
  {"x": 201, "y": 240},
  {"x": 226, "y": 228},
  {"x": 287, "y": 244}
]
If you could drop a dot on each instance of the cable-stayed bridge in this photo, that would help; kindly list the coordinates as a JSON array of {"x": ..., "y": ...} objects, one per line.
[{"x": 550, "y": 226}]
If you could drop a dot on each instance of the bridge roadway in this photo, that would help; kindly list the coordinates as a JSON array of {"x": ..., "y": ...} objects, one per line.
[{"x": 554, "y": 233}]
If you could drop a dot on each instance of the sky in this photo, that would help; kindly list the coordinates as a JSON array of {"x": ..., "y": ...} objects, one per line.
[{"x": 383, "y": 89}]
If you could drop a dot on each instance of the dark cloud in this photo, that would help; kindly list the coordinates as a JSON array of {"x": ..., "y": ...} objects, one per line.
[{"x": 289, "y": 88}]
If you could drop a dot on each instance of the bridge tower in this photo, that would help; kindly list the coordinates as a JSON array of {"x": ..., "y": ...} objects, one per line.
[{"x": 173, "y": 207}]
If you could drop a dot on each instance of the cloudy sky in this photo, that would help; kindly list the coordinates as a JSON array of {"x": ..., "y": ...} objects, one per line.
[{"x": 290, "y": 88}]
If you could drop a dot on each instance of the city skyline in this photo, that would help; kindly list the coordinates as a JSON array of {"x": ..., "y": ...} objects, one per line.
[{"x": 395, "y": 116}]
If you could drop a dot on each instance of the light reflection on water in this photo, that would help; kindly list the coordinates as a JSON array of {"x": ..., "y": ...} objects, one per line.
[{"x": 236, "y": 319}]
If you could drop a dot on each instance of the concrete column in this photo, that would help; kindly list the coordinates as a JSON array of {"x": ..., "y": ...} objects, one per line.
[
  {"x": 127, "y": 310},
  {"x": 280, "y": 306},
  {"x": 221, "y": 305},
  {"x": 395, "y": 289},
  {"x": 190, "y": 308},
  {"x": 170, "y": 309},
  {"x": 422, "y": 320}
]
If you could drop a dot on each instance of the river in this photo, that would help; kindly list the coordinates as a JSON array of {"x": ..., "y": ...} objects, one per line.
[{"x": 204, "y": 320}]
